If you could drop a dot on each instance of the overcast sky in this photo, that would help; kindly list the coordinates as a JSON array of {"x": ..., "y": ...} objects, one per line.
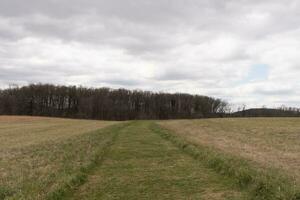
[{"x": 244, "y": 51}]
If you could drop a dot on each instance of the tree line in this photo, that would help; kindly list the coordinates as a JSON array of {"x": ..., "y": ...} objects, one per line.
[
  {"x": 106, "y": 103},
  {"x": 268, "y": 112}
]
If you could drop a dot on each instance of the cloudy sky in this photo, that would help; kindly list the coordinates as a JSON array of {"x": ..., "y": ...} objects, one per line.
[{"x": 244, "y": 51}]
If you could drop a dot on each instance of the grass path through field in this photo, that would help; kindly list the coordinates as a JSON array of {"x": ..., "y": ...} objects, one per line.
[{"x": 142, "y": 165}]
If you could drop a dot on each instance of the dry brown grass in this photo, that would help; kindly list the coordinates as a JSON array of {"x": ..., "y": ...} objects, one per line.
[
  {"x": 269, "y": 142},
  {"x": 39, "y": 154},
  {"x": 21, "y": 131}
]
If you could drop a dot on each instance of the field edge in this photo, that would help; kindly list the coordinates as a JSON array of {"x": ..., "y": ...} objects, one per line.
[{"x": 260, "y": 184}]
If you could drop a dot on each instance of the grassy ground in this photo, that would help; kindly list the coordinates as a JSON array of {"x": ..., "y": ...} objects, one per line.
[
  {"x": 143, "y": 165},
  {"x": 267, "y": 142},
  {"x": 261, "y": 183},
  {"x": 47, "y": 153},
  {"x": 20, "y": 131},
  {"x": 217, "y": 159}
]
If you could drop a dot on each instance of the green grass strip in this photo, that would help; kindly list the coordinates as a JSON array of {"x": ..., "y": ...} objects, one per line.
[
  {"x": 262, "y": 184},
  {"x": 81, "y": 176},
  {"x": 4, "y": 192}
]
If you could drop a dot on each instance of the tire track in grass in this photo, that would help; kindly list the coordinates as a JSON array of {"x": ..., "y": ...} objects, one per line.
[
  {"x": 82, "y": 176},
  {"x": 142, "y": 165},
  {"x": 259, "y": 184}
]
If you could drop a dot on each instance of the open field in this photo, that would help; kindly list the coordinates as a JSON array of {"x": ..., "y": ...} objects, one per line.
[
  {"x": 38, "y": 155},
  {"x": 142, "y": 165},
  {"x": 215, "y": 159},
  {"x": 21, "y": 131},
  {"x": 268, "y": 142}
]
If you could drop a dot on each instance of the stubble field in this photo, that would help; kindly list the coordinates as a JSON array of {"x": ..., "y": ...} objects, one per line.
[
  {"x": 268, "y": 142},
  {"x": 40, "y": 155},
  {"x": 217, "y": 159}
]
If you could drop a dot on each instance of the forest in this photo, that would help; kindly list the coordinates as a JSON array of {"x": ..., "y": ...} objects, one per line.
[
  {"x": 268, "y": 112},
  {"x": 106, "y": 103}
]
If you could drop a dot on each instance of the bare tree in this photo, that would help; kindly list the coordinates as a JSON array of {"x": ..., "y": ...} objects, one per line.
[{"x": 106, "y": 103}]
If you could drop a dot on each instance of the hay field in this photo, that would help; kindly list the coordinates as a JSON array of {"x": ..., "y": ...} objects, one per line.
[
  {"x": 38, "y": 155},
  {"x": 21, "y": 131},
  {"x": 143, "y": 165},
  {"x": 51, "y": 158},
  {"x": 267, "y": 142}
]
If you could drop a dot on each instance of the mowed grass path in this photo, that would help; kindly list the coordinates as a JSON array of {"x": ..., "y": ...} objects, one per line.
[{"x": 142, "y": 165}]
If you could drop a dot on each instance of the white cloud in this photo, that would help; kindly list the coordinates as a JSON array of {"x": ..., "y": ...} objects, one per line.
[{"x": 204, "y": 47}]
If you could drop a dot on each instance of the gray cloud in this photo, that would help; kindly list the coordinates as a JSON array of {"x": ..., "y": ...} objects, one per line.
[
  {"x": 276, "y": 92},
  {"x": 205, "y": 46}
]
